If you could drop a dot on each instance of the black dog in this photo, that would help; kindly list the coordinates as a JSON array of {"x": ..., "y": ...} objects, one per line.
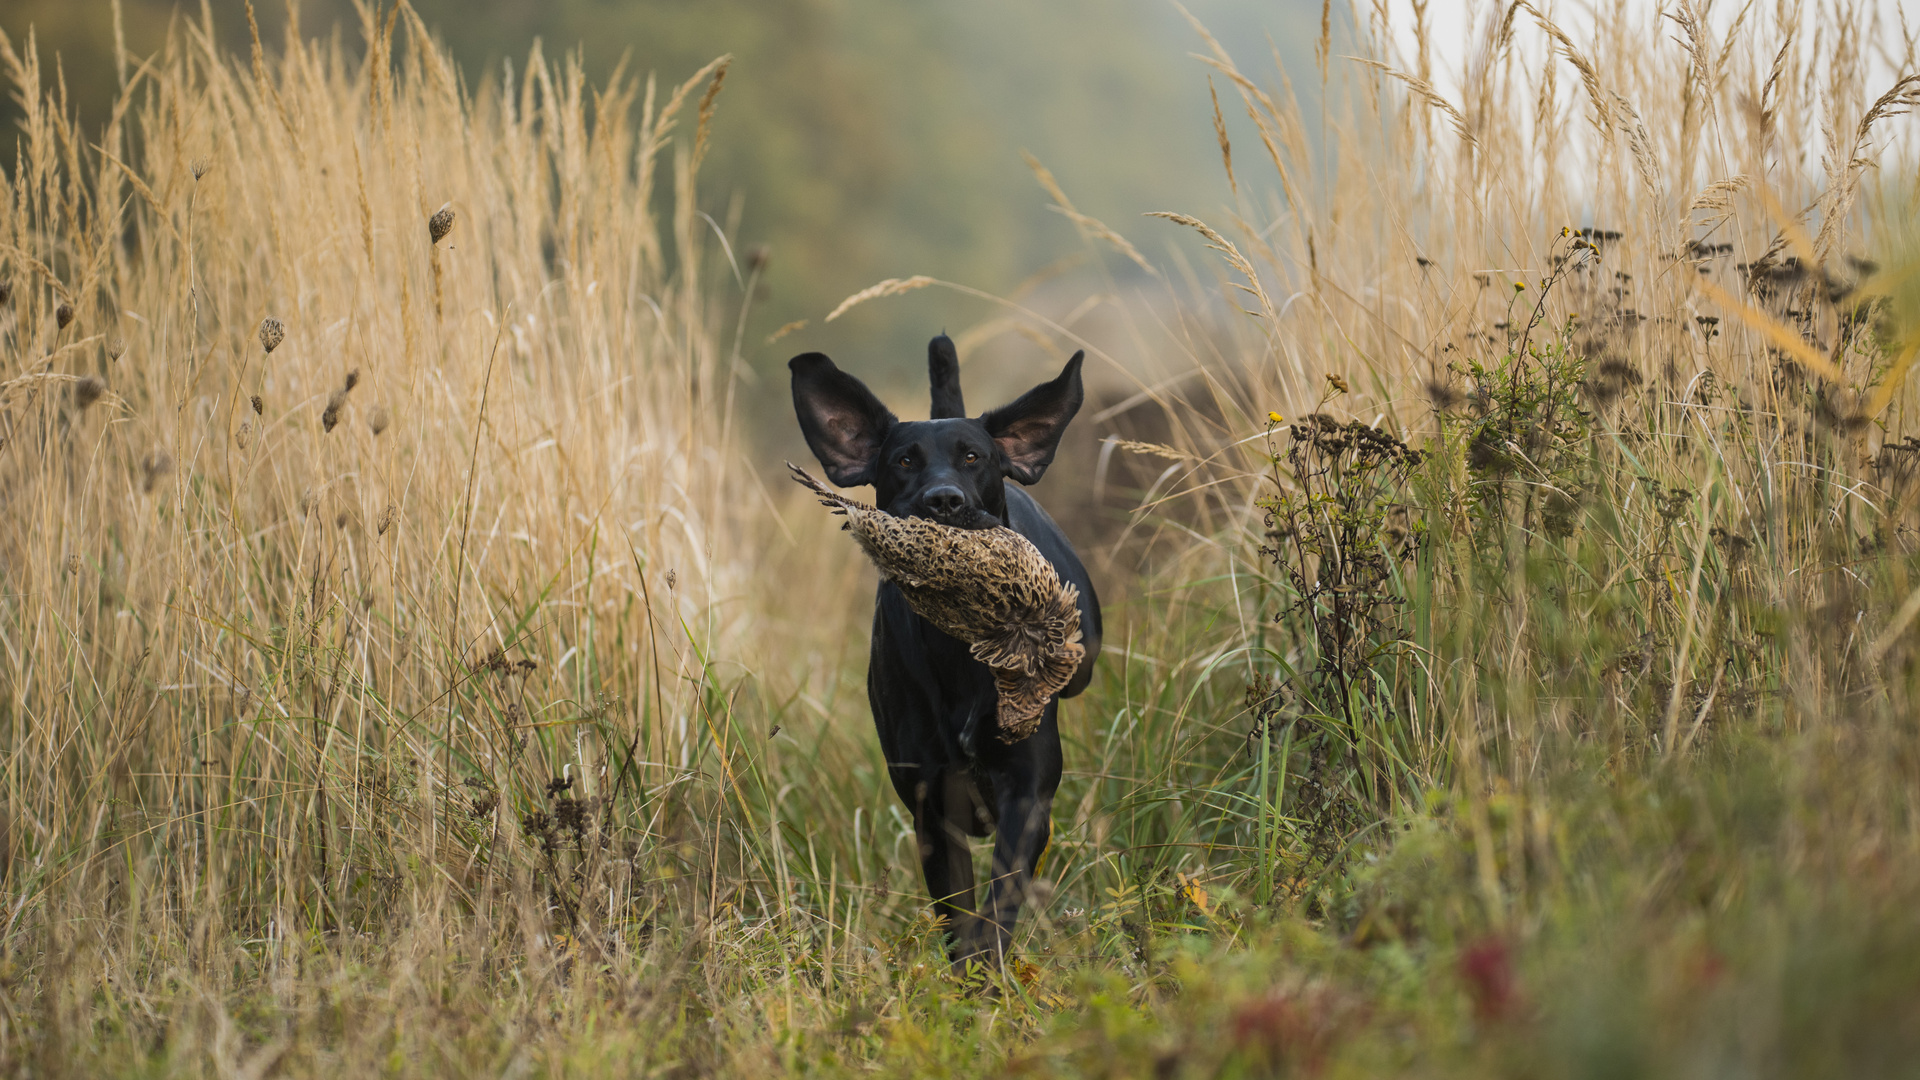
[{"x": 933, "y": 703}]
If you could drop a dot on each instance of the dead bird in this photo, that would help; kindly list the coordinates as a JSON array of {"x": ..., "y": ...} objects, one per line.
[{"x": 989, "y": 587}]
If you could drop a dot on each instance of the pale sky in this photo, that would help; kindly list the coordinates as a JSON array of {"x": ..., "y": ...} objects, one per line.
[{"x": 1453, "y": 23}]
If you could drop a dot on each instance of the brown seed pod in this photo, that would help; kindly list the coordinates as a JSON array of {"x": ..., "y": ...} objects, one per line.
[
  {"x": 88, "y": 390},
  {"x": 353, "y": 380},
  {"x": 259, "y": 407},
  {"x": 332, "y": 414},
  {"x": 272, "y": 333},
  {"x": 440, "y": 224},
  {"x": 63, "y": 315},
  {"x": 154, "y": 468},
  {"x": 244, "y": 436},
  {"x": 991, "y": 588},
  {"x": 386, "y": 518},
  {"x": 378, "y": 420}
]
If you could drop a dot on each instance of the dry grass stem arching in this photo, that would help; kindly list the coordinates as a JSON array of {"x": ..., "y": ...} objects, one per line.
[{"x": 889, "y": 287}]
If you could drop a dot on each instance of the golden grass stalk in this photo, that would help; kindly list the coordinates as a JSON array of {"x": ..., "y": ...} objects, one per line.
[{"x": 889, "y": 287}]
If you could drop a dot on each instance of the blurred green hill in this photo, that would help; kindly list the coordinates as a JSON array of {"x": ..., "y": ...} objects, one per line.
[{"x": 858, "y": 139}]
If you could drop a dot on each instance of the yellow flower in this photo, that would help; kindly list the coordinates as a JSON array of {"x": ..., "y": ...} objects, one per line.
[
  {"x": 1519, "y": 286},
  {"x": 1275, "y": 418}
]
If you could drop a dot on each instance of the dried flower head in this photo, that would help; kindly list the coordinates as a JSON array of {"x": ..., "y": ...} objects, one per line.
[
  {"x": 73, "y": 564},
  {"x": 386, "y": 518},
  {"x": 88, "y": 390},
  {"x": 1339, "y": 384},
  {"x": 353, "y": 380},
  {"x": 673, "y": 579},
  {"x": 154, "y": 468},
  {"x": 331, "y": 416},
  {"x": 63, "y": 315},
  {"x": 244, "y": 436},
  {"x": 116, "y": 348},
  {"x": 377, "y": 420},
  {"x": 200, "y": 167},
  {"x": 259, "y": 407},
  {"x": 309, "y": 501},
  {"x": 340, "y": 520},
  {"x": 440, "y": 224},
  {"x": 272, "y": 333}
]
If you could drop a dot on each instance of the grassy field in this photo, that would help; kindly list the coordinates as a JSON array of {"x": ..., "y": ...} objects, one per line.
[{"x": 411, "y": 668}]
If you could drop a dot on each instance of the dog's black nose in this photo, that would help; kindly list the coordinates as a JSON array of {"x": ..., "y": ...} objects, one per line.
[{"x": 945, "y": 501}]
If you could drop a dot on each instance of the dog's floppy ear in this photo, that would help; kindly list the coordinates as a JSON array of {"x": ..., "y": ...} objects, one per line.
[
  {"x": 1028, "y": 431},
  {"x": 943, "y": 372},
  {"x": 842, "y": 420}
]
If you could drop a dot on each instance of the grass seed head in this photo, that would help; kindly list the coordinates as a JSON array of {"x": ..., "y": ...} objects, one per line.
[
  {"x": 272, "y": 333},
  {"x": 378, "y": 419},
  {"x": 63, "y": 315},
  {"x": 259, "y": 407},
  {"x": 244, "y": 436},
  {"x": 440, "y": 224},
  {"x": 200, "y": 167},
  {"x": 116, "y": 348},
  {"x": 332, "y": 414},
  {"x": 386, "y": 519},
  {"x": 88, "y": 390},
  {"x": 154, "y": 468}
]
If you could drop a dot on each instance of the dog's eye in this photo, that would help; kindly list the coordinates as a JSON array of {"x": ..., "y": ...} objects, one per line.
[
  {"x": 972, "y": 457},
  {"x": 905, "y": 462}
]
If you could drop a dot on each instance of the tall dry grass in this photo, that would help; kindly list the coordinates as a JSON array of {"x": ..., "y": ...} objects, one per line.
[
  {"x": 300, "y": 623},
  {"x": 1699, "y": 217}
]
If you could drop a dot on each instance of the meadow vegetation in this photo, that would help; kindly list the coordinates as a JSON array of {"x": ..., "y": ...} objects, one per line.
[{"x": 411, "y": 667}]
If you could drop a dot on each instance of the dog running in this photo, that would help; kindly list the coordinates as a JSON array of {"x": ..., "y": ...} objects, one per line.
[{"x": 934, "y": 704}]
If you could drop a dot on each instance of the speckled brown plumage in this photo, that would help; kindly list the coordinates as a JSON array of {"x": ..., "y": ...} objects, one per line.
[{"x": 990, "y": 588}]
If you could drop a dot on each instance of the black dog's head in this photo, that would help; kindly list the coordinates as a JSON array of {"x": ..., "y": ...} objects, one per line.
[{"x": 950, "y": 468}]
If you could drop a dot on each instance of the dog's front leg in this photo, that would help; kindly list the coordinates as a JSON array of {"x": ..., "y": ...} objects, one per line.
[
  {"x": 1024, "y": 782},
  {"x": 941, "y": 804}
]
